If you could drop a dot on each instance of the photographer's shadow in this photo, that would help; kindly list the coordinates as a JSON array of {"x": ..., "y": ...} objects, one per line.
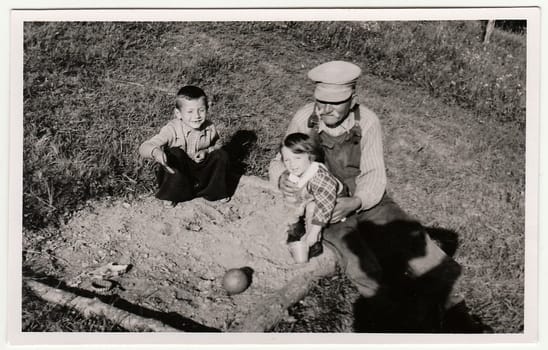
[{"x": 404, "y": 303}]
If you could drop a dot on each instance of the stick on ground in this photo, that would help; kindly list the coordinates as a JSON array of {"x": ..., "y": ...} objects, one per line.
[{"x": 88, "y": 307}]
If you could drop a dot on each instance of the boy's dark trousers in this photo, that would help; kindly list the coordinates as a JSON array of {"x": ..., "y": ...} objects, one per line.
[{"x": 207, "y": 179}]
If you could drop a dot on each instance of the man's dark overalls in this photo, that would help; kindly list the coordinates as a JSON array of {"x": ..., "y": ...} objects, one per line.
[{"x": 383, "y": 244}]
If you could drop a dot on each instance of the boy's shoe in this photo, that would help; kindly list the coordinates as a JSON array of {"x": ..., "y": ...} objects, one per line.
[
  {"x": 225, "y": 200},
  {"x": 169, "y": 204},
  {"x": 315, "y": 250}
]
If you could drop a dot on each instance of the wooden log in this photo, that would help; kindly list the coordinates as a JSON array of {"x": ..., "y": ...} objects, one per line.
[{"x": 88, "y": 306}]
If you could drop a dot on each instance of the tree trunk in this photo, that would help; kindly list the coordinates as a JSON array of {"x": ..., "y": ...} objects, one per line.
[{"x": 489, "y": 27}]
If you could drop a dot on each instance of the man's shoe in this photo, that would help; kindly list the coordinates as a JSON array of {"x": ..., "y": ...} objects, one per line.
[{"x": 459, "y": 320}]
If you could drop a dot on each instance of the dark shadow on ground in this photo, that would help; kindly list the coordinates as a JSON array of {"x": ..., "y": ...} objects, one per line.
[
  {"x": 238, "y": 148},
  {"x": 403, "y": 303},
  {"x": 171, "y": 319}
]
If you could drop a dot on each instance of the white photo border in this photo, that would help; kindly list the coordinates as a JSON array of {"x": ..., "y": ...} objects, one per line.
[{"x": 14, "y": 132}]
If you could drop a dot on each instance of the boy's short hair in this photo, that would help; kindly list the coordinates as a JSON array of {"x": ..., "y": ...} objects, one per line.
[
  {"x": 302, "y": 143},
  {"x": 190, "y": 92}
]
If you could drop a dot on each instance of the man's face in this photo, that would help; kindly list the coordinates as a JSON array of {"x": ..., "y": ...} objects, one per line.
[
  {"x": 332, "y": 113},
  {"x": 192, "y": 112}
]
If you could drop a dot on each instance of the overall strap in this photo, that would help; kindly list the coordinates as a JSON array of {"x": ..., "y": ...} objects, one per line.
[
  {"x": 356, "y": 110},
  {"x": 313, "y": 121}
]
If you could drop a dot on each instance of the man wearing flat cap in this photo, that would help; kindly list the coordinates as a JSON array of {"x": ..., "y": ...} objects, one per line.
[{"x": 376, "y": 241}]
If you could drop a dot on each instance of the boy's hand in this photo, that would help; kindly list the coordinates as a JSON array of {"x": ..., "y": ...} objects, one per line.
[
  {"x": 200, "y": 156},
  {"x": 160, "y": 157}
]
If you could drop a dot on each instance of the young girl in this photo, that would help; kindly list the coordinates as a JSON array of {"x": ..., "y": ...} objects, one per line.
[{"x": 318, "y": 190}]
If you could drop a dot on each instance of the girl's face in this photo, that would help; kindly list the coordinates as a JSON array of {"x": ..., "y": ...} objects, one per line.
[
  {"x": 192, "y": 112},
  {"x": 295, "y": 163}
]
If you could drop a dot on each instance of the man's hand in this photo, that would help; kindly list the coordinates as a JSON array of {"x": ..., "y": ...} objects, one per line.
[
  {"x": 288, "y": 188},
  {"x": 160, "y": 157},
  {"x": 200, "y": 156},
  {"x": 344, "y": 207}
]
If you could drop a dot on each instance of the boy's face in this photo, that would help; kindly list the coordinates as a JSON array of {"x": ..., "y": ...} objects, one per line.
[
  {"x": 192, "y": 112},
  {"x": 295, "y": 163}
]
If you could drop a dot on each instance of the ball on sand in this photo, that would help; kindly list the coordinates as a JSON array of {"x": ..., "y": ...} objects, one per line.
[{"x": 235, "y": 281}]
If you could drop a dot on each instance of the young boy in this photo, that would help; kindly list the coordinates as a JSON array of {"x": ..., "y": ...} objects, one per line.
[
  {"x": 319, "y": 189},
  {"x": 188, "y": 150}
]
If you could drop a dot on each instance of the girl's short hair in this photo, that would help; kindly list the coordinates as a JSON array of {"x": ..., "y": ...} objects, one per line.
[
  {"x": 302, "y": 143},
  {"x": 190, "y": 92}
]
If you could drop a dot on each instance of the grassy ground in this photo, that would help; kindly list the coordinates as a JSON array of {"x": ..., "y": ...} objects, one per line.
[{"x": 455, "y": 153}]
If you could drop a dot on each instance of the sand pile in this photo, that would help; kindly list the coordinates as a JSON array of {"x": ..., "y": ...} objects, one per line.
[{"x": 178, "y": 256}]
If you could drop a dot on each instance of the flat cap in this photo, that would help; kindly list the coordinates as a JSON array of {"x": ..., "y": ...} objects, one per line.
[{"x": 334, "y": 80}]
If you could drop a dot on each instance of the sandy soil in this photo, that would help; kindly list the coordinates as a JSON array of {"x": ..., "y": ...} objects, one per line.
[{"x": 179, "y": 255}]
